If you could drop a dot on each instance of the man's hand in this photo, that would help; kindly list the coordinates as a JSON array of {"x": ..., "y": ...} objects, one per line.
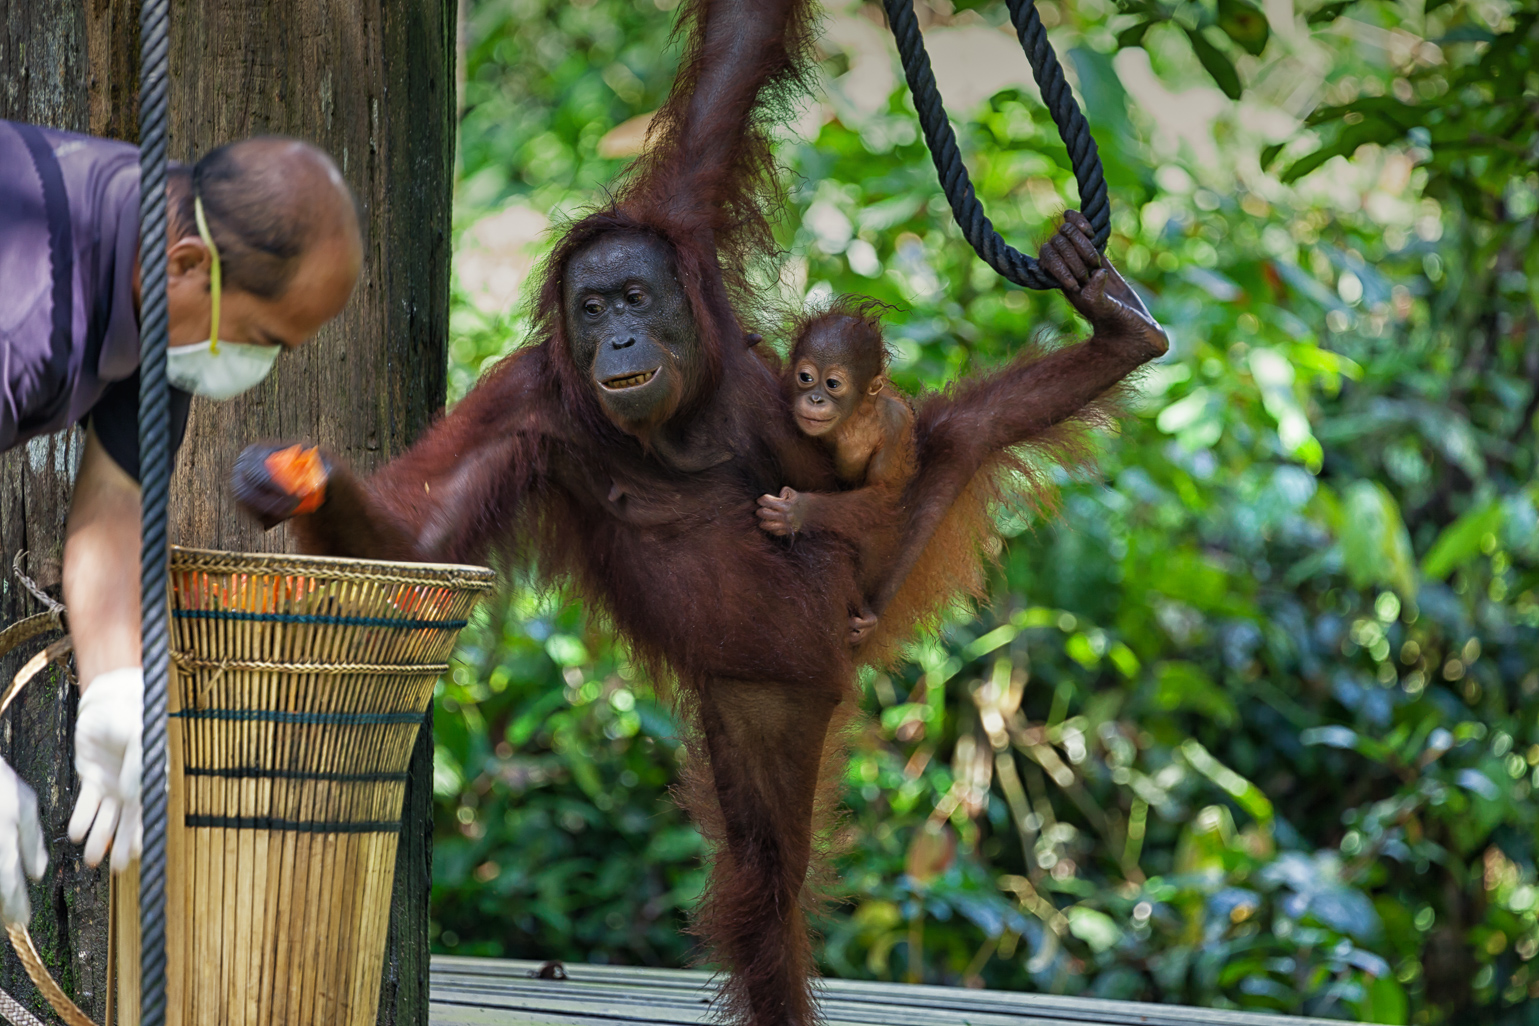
[
  {"x": 1095, "y": 288},
  {"x": 108, "y": 758},
  {"x": 781, "y": 515},
  {"x": 275, "y": 482},
  {"x": 21, "y": 846}
]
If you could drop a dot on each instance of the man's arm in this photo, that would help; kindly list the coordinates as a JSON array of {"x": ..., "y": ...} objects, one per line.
[
  {"x": 101, "y": 589},
  {"x": 101, "y": 565}
]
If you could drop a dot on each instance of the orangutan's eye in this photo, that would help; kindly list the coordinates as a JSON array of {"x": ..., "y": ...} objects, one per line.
[
  {"x": 806, "y": 378},
  {"x": 834, "y": 384},
  {"x": 592, "y": 307}
]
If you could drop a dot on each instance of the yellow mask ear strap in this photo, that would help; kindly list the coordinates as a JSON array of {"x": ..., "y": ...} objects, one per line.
[{"x": 215, "y": 279}]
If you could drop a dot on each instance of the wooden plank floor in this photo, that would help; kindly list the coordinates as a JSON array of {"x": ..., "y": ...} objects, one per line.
[{"x": 490, "y": 992}]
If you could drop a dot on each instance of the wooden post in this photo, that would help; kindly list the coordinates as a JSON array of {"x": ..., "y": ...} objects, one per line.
[{"x": 373, "y": 84}]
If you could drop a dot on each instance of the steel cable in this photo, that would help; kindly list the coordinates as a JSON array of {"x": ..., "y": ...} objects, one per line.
[{"x": 976, "y": 227}]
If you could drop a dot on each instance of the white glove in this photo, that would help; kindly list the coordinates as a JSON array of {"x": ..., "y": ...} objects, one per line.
[
  {"x": 109, "y": 751},
  {"x": 21, "y": 845}
]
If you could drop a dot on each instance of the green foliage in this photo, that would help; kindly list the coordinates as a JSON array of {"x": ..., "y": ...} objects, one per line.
[
  {"x": 1253, "y": 721},
  {"x": 551, "y": 769}
]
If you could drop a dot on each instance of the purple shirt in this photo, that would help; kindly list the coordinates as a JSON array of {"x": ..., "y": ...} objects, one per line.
[{"x": 69, "y": 232}]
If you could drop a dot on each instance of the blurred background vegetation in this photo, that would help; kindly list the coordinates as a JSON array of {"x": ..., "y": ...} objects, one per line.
[{"x": 1253, "y": 722}]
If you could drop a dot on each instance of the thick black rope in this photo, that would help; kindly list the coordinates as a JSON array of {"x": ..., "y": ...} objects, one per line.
[
  {"x": 155, "y": 464},
  {"x": 1072, "y": 128}
]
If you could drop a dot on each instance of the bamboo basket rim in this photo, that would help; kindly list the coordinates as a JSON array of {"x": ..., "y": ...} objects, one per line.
[{"x": 460, "y": 575}]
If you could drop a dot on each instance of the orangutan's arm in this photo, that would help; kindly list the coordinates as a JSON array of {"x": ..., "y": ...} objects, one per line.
[
  {"x": 1030, "y": 397},
  {"x": 444, "y": 499}
]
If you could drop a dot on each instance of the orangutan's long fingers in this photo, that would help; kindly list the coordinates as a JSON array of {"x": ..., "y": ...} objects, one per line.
[
  {"x": 1053, "y": 261},
  {"x": 1079, "y": 221},
  {"x": 1065, "y": 241},
  {"x": 1095, "y": 291},
  {"x": 1082, "y": 245}
]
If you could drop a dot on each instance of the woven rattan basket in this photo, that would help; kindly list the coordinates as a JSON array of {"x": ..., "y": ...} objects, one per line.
[{"x": 298, "y": 689}]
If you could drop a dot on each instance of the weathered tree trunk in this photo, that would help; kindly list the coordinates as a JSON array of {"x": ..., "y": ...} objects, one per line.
[
  {"x": 44, "y": 78},
  {"x": 373, "y": 84}
]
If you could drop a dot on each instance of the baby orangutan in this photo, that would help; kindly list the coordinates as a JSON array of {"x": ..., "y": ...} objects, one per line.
[{"x": 836, "y": 383}]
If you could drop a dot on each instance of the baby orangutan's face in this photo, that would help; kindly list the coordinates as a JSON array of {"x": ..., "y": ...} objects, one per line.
[
  {"x": 825, "y": 395},
  {"x": 835, "y": 366}
]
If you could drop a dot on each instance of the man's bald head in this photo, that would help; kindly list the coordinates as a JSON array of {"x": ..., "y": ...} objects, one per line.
[
  {"x": 286, "y": 229},
  {"x": 270, "y": 203}
]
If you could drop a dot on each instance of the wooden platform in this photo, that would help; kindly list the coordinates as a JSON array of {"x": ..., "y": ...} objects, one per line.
[{"x": 484, "y": 992}]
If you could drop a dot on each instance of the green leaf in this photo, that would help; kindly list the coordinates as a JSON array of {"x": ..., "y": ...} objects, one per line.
[
  {"x": 1461, "y": 539},
  {"x": 1371, "y": 129},
  {"x": 1466, "y": 34},
  {"x": 1308, "y": 163},
  {"x": 1182, "y": 685},
  {"x": 1216, "y": 63},
  {"x": 1384, "y": 1001},
  {"x": 1245, "y": 24},
  {"x": 1133, "y": 35},
  {"x": 1333, "y": 735},
  {"x": 1095, "y": 928},
  {"x": 1269, "y": 154},
  {"x": 1081, "y": 651},
  {"x": 1371, "y": 108},
  {"x": 1246, "y": 794},
  {"x": 1374, "y": 544},
  {"x": 1337, "y": 736},
  {"x": 1332, "y": 11},
  {"x": 1531, "y": 271},
  {"x": 1124, "y": 659}
]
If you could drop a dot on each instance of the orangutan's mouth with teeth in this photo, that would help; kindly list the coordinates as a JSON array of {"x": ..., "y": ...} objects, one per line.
[{"x": 630, "y": 380}]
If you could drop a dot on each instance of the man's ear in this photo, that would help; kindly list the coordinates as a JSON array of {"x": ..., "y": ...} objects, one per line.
[{"x": 188, "y": 256}]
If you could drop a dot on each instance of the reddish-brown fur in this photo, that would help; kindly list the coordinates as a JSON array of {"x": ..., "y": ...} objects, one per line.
[
  {"x": 746, "y": 631},
  {"x": 869, "y": 434}
]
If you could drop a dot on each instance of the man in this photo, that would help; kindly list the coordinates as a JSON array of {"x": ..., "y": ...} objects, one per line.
[{"x": 264, "y": 248}]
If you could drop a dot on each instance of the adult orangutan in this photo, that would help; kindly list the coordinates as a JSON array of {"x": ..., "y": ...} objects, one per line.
[{"x": 624, "y": 450}]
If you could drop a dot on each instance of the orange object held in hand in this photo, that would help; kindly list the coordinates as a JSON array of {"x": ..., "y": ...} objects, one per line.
[{"x": 301, "y": 473}]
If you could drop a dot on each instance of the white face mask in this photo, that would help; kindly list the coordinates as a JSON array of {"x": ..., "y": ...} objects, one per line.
[
  {"x": 219, "y": 373},
  {"x": 217, "y": 370}
]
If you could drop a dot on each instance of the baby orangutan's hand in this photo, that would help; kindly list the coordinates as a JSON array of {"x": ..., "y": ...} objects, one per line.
[
  {"x": 861, "y": 626},
  {"x": 782, "y": 515},
  {"x": 276, "y": 482}
]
